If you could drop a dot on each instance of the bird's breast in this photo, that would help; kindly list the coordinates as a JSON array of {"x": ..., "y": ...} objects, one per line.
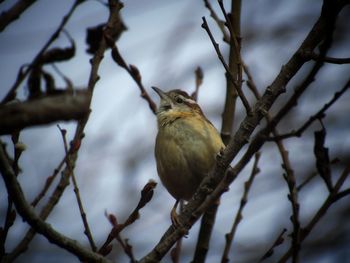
[{"x": 185, "y": 152}]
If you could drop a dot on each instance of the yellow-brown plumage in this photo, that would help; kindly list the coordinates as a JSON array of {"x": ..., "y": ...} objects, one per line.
[{"x": 186, "y": 144}]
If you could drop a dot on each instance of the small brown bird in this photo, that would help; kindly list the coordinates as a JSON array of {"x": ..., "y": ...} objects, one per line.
[{"x": 186, "y": 144}]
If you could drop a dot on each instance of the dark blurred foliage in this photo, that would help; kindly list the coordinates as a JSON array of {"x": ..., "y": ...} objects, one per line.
[{"x": 165, "y": 41}]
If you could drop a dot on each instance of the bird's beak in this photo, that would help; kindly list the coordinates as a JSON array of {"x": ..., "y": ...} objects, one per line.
[{"x": 161, "y": 93}]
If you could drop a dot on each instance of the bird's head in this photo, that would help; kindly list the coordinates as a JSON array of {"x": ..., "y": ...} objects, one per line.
[{"x": 176, "y": 101}]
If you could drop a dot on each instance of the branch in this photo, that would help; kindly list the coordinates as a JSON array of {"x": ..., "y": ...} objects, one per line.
[
  {"x": 18, "y": 115},
  {"x": 28, "y": 214},
  {"x": 239, "y": 215},
  {"x": 279, "y": 240},
  {"x": 48, "y": 183},
  {"x": 220, "y": 23},
  {"x": 288, "y": 176},
  {"x": 133, "y": 72},
  {"x": 318, "y": 57},
  {"x": 331, "y": 199},
  {"x": 214, "y": 180},
  {"x": 7, "y": 17},
  {"x": 22, "y": 74},
  {"x": 341, "y": 194},
  {"x": 306, "y": 181},
  {"x": 87, "y": 231},
  {"x": 229, "y": 74},
  {"x": 114, "y": 8},
  {"x": 318, "y": 115},
  {"x": 11, "y": 214},
  {"x": 228, "y": 115},
  {"x": 146, "y": 196}
]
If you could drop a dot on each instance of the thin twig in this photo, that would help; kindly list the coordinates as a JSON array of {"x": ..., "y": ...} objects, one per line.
[
  {"x": 48, "y": 182},
  {"x": 229, "y": 74},
  {"x": 318, "y": 115},
  {"x": 87, "y": 231},
  {"x": 293, "y": 198},
  {"x": 218, "y": 21},
  {"x": 279, "y": 240},
  {"x": 318, "y": 57},
  {"x": 10, "y": 15},
  {"x": 288, "y": 176},
  {"x": 233, "y": 34},
  {"x": 306, "y": 181},
  {"x": 133, "y": 72},
  {"x": 239, "y": 215},
  {"x": 28, "y": 214},
  {"x": 18, "y": 148},
  {"x": 341, "y": 194},
  {"x": 332, "y": 197},
  {"x": 146, "y": 196}
]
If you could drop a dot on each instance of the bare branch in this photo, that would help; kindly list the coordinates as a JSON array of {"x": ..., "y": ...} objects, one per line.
[
  {"x": 114, "y": 7},
  {"x": 22, "y": 74},
  {"x": 288, "y": 176},
  {"x": 48, "y": 183},
  {"x": 229, "y": 74},
  {"x": 218, "y": 21},
  {"x": 204, "y": 196},
  {"x": 87, "y": 231},
  {"x": 133, "y": 72},
  {"x": 318, "y": 115},
  {"x": 7, "y": 17},
  {"x": 279, "y": 240},
  {"x": 233, "y": 22},
  {"x": 306, "y": 181},
  {"x": 146, "y": 196},
  {"x": 341, "y": 194},
  {"x": 35, "y": 221},
  {"x": 318, "y": 57},
  {"x": 18, "y": 115},
  {"x": 10, "y": 212},
  {"x": 239, "y": 215},
  {"x": 332, "y": 197}
]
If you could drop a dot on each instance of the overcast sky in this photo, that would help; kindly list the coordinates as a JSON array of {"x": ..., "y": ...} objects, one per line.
[{"x": 166, "y": 42}]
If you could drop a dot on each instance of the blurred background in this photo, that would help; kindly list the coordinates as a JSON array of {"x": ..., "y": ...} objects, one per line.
[{"x": 165, "y": 41}]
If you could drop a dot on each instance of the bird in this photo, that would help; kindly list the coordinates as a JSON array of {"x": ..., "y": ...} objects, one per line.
[{"x": 186, "y": 145}]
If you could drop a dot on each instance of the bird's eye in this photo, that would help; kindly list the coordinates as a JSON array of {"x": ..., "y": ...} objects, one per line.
[{"x": 179, "y": 100}]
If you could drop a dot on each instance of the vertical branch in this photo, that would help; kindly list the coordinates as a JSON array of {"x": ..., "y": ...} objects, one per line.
[
  {"x": 288, "y": 176},
  {"x": 10, "y": 212},
  {"x": 230, "y": 236},
  {"x": 233, "y": 86},
  {"x": 234, "y": 66},
  {"x": 293, "y": 198},
  {"x": 331, "y": 199},
  {"x": 87, "y": 231}
]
